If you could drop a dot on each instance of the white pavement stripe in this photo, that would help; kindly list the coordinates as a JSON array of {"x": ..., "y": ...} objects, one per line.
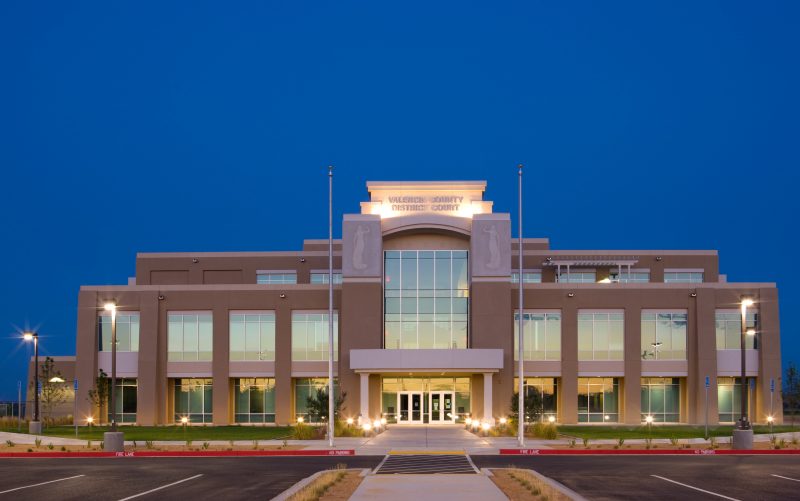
[
  {"x": 696, "y": 488},
  {"x": 787, "y": 478},
  {"x": 162, "y": 487},
  {"x": 40, "y": 483}
]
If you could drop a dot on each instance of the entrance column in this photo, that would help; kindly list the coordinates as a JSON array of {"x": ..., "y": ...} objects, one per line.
[
  {"x": 364, "y": 395},
  {"x": 487, "y": 398}
]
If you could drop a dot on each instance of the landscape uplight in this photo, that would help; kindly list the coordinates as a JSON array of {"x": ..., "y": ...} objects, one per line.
[
  {"x": 485, "y": 426},
  {"x": 503, "y": 420},
  {"x": 648, "y": 419},
  {"x": 468, "y": 421},
  {"x": 551, "y": 419},
  {"x": 90, "y": 420},
  {"x": 366, "y": 426},
  {"x": 376, "y": 424},
  {"x": 300, "y": 419},
  {"x": 349, "y": 421},
  {"x": 184, "y": 420},
  {"x": 383, "y": 421}
]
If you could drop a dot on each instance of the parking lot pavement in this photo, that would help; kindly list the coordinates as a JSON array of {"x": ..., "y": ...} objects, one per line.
[
  {"x": 665, "y": 477},
  {"x": 162, "y": 478}
]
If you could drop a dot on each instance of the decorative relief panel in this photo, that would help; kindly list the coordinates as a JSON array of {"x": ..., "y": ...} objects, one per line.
[
  {"x": 491, "y": 245},
  {"x": 361, "y": 246}
]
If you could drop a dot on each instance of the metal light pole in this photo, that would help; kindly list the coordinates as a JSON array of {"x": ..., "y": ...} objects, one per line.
[
  {"x": 113, "y": 441},
  {"x": 744, "y": 422},
  {"x": 331, "y": 395},
  {"x": 35, "y": 426},
  {"x": 520, "y": 352}
]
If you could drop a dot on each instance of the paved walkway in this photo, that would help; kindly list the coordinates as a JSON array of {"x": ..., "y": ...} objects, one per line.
[{"x": 409, "y": 487}]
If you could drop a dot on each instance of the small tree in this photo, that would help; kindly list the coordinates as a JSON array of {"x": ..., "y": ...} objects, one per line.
[
  {"x": 317, "y": 404},
  {"x": 98, "y": 395},
  {"x": 791, "y": 390},
  {"x": 54, "y": 392},
  {"x": 533, "y": 406}
]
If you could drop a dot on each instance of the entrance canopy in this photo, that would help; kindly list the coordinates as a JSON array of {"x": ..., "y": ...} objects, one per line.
[{"x": 427, "y": 360}]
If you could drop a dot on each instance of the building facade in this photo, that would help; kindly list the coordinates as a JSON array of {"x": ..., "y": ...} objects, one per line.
[{"x": 425, "y": 309}]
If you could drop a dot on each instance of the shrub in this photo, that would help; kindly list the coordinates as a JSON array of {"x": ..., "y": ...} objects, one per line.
[
  {"x": 302, "y": 431},
  {"x": 572, "y": 443},
  {"x": 674, "y": 441},
  {"x": 794, "y": 439},
  {"x": 102, "y": 445},
  {"x": 148, "y": 444},
  {"x": 205, "y": 445},
  {"x": 38, "y": 442},
  {"x": 230, "y": 442},
  {"x": 545, "y": 430},
  {"x": 63, "y": 449},
  {"x": 255, "y": 445},
  {"x": 88, "y": 444},
  {"x": 586, "y": 443},
  {"x": 781, "y": 444},
  {"x": 620, "y": 442},
  {"x": 50, "y": 446},
  {"x": 712, "y": 442},
  {"x": 648, "y": 443},
  {"x": 188, "y": 444},
  {"x": 9, "y": 443},
  {"x": 30, "y": 450}
]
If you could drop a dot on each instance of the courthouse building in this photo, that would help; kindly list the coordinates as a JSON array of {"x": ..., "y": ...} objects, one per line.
[{"x": 425, "y": 301}]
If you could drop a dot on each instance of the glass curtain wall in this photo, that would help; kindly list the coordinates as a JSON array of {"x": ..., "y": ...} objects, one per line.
[
  {"x": 124, "y": 400},
  {"x": 255, "y": 400},
  {"x": 542, "y": 336},
  {"x": 307, "y": 387},
  {"x": 127, "y": 331},
  {"x": 598, "y": 400},
  {"x": 661, "y": 398},
  {"x": 426, "y": 299},
  {"x": 252, "y": 335},
  {"x": 546, "y": 388},
  {"x": 601, "y": 335},
  {"x": 310, "y": 336},
  {"x": 729, "y": 330},
  {"x": 664, "y": 335},
  {"x": 729, "y": 401},
  {"x": 193, "y": 400}
]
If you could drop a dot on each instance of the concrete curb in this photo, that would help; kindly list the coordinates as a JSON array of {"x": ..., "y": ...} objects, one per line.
[
  {"x": 643, "y": 452},
  {"x": 563, "y": 489},
  {"x": 291, "y": 491},
  {"x": 145, "y": 454}
]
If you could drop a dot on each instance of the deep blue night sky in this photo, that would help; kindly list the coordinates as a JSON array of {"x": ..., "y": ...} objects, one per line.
[{"x": 196, "y": 126}]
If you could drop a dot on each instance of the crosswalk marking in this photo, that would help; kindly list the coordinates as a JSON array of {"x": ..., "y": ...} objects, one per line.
[{"x": 426, "y": 464}]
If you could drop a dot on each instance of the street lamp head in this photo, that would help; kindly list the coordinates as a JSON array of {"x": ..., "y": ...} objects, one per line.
[
  {"x": 747, "y": 302},
  {"x": 750, "y": 332},
  {"x": 110, "y": 306},
  {"x": 28, "y": 336}
]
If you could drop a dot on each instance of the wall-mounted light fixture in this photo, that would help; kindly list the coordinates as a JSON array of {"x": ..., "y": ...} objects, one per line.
[
  {"x": 161, "y": 297},
  {"x": 283, "y": 296},
  {"x": 571, "y": 294},
  {"x": 658, "y": 258},
  {"x": 693, "y": 294},
  {"x": 302, "y": 260},
  {"x": 195, "y": 260}
]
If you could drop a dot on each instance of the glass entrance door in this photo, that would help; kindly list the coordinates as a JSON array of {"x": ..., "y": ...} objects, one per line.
[
  {"x": 441, "y": 407},
  {"x": 409, "y": 405}
]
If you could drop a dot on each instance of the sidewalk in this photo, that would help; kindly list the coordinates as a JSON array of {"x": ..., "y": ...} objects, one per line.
[{"x": 404, "y": 487}]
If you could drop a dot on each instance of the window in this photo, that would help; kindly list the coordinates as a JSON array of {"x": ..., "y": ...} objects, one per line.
[
  {"x": 127, "y": 331},
  {"x": 322, "y": 277},
  {"x": 193, "y": 400},
  {"x": 601, "y": 335},
  {"x": 545, "y": 389},
  {"x": 255, "y": 400},
  {"x": 310, "y": 336},
  {"x": 124, "y": 400},
  {"x": 307, "y": 387},
  {"x": 661, "y": 399},
  {"x": 664, "y": 335},
  {"x": 252, "y": 335},
  {"x": 270, "y": 277},
  {"x": 634, "y": 277},
  {"x": 542, "y": 333},
  {"x": 598, "y": 400},
  {"x": 189, "y": 337},
  {"x": 729, "y": 398},
  {"x": 729, "y": 330},
  {"x": 426, "y": 299},
  {"x": 528, "y": 277},
  {"x": 577, "y": 277},
  {"x": 691, "y": 277}
]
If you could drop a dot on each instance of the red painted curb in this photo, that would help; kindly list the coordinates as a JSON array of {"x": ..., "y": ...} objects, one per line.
[
  {"x": 144, "y": 454},
  {"x": 663, "y": 452}
]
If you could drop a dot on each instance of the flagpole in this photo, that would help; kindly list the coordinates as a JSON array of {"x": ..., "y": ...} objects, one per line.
[
  {"x": 331, "y": 395},
  {"x": 521, "y": 400}
]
